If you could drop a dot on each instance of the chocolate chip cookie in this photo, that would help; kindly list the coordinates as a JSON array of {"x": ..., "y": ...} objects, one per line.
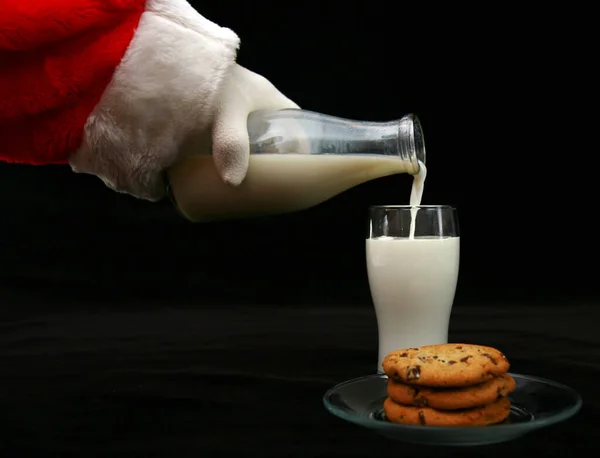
[
  {"x": 489, "y": 414},
  {"x": 445, "y": 365},
  {"x": 451, "y": 398}
]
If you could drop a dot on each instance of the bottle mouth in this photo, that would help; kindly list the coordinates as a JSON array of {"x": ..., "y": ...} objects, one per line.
[
  {"x": 412, "y": 141},
  {"x": 418, "y": 139}
]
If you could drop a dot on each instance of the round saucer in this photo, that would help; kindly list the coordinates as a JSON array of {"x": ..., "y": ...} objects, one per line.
[{"x": 536, "y": 403}]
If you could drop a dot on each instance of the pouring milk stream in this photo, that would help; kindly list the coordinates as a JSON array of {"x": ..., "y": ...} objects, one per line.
[{"x": 416, "y": 194}]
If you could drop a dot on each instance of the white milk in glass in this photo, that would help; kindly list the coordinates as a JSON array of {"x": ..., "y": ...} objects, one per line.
[{"x": 413, "y": 282}]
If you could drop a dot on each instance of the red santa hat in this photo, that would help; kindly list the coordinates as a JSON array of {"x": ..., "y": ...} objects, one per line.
[{"x": 112, "y": 87}]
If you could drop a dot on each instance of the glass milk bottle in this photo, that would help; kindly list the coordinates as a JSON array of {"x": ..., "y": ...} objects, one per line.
[{"x": 298, "y": 159}]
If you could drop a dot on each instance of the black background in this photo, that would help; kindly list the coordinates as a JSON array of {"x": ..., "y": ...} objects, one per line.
[
  {"x": 500, "y": 136},
  {"x": 497, "y": 92}
]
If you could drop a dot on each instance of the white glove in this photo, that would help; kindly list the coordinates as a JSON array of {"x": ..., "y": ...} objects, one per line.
[{"x": 243, "y": 92}]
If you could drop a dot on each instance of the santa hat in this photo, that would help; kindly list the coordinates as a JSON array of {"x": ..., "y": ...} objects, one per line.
[{"x": 112, "y": 87}]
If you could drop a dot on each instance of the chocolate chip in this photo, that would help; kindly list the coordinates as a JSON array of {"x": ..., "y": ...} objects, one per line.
[
  {"x": 465, "y": 359},
  {"x": 413, "y": 373},
  {"x": 451, "y": 362},
  {"x": 491, "y": 358},
  {"x": 435, "y": 357},
  {"x": 422, "y": 418},
  {"x": 459, "y": 348},
  {"x": 404, "y": 355}
]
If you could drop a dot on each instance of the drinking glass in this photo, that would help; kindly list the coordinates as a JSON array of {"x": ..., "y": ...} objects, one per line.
[{"x": 413, "y": 272}]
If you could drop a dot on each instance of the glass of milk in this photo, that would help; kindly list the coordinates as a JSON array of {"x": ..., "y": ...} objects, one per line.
[{"x": 412, "y": 264}]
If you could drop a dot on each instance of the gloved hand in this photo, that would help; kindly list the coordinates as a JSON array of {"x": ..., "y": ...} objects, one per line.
[
  {"x": 243, "y": 92},
  {"x": 135, "y": 164}
]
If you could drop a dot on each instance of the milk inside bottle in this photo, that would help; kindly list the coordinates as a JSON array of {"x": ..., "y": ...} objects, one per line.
[{"x": 298, "y": 159}]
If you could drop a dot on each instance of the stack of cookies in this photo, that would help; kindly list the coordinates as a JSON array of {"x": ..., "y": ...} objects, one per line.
[{"x": 448, "y": 385}]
